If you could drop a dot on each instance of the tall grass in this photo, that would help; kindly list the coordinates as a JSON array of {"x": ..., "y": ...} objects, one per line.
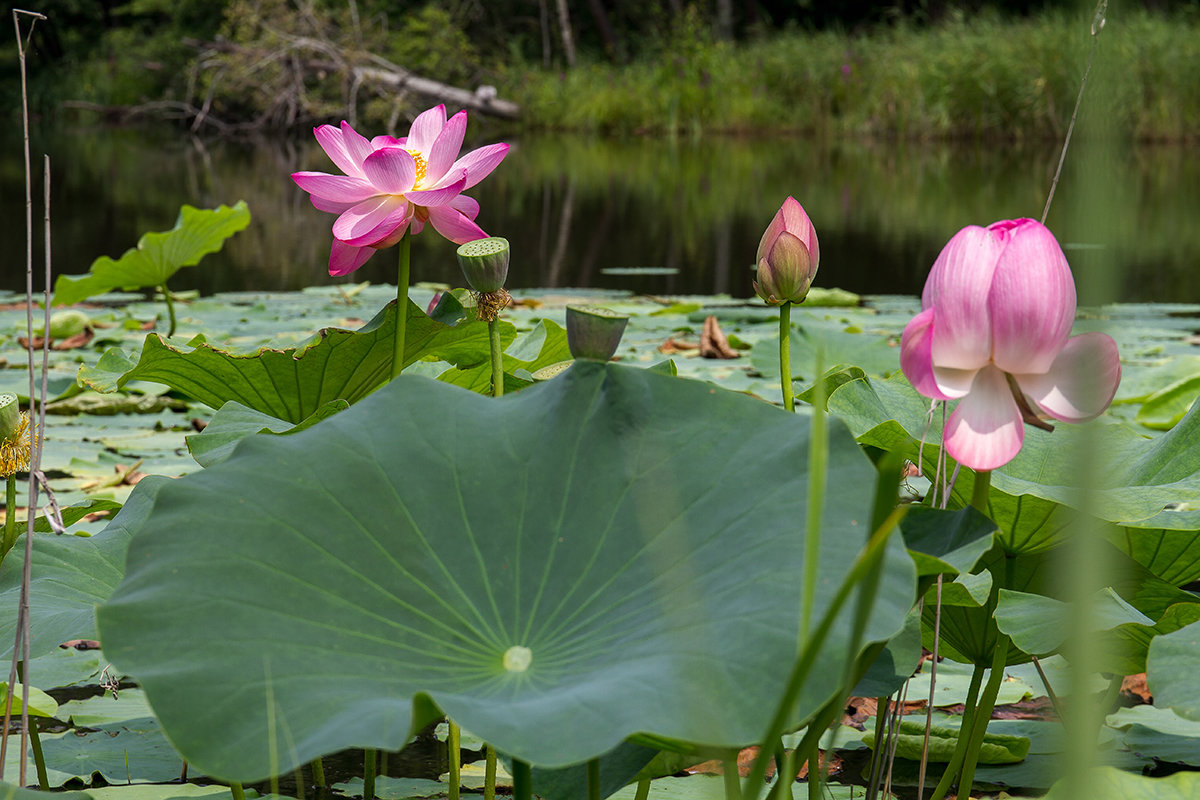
[{"x": 978, "y": 76}]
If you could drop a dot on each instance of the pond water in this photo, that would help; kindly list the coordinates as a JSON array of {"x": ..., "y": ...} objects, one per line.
[{"x": 586, "y": 212}]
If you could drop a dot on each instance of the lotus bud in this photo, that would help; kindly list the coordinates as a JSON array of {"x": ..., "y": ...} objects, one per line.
[
  {"x": 788, "y": 255},
  {"x": 484, "y": 264},
  {"x": 594, "y": 332},
  {"x": 14, "y": 436}
]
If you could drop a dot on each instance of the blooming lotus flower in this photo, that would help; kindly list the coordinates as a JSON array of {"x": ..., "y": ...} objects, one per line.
[
  {"x": 393, "y": 186},
  {"x": 994, "y": 334},
  {"x": 787, "y": 257}
]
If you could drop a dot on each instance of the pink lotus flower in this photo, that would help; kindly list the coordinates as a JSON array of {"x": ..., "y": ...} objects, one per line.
[
  {"x": 994, "y": 334},
  {"x": 392, "y": 186},
  {"x": 788, "y": 256}
]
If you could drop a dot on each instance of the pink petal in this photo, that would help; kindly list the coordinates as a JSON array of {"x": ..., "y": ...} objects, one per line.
[
  {"x": 957, "y": 287},
  {"x": 454, "y": 226},
  {"x": 1032, "y": 300},
  {"x": 383, "y": 140},
  {"x": 797, "y": 223},
  {"x": 344, "y": 259},
  {"x": 372, "y": 221},
  {"x": 334, "y": 145},
  {"x": 334, "y": 188},
  {"x": 1082, "y": 381},
  {"x": 467, "y": 205},
  {"x": 392, "y": 170},
  {"x": 917, "y": 361},
  {"x": 478, "y": 164},
  {"x": 330, "y": 206},
  {"x": 358, "y": 147},
  {"x": 425, "y": 129},
  {"x": 986, "y": 430},
  {"x": 437, "y": 197},
  {"x": 417, "y": 225},
  {"x": 445, "y": 147}
]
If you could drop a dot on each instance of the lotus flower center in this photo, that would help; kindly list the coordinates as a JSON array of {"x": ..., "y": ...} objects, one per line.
[
  {"x": 517, "y": 658},
  {"x": 420, "y": 161}
]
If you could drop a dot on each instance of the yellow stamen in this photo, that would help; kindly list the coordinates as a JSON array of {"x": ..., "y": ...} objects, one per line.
[
  {"x": 417, "y": 157},
  {"x": 14, "y": 451}
]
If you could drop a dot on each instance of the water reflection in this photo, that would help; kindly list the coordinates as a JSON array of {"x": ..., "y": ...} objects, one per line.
[{"x": 575, "y": 207}]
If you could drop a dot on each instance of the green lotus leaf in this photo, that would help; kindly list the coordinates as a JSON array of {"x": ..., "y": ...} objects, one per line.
[
  {"x": 10, "y": 791},
  {"x": 157, "y": 256},
  {"x": 292, "y": 384},
  {"x": 70, "y": 575},
  {"x": 544, "y": 346},
  {"x": 234, "y": 422},
  {"x": 596, "y": 556},
  {"x": 1149, "y": 487},
  {"x": 1171, "y": 673},
  {"x": 1109, "y": 783},
  {"x": 1166, "y": 407}
]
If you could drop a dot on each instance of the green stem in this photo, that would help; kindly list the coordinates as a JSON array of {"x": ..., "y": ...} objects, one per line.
[
  {"x": 170, "y": 310},
  {"x": 960, "y": 749},
  {"x": 733, "y": 784},
  {"x": 10, "y": 517},
  {"x": 979, "y": 492},
  {"x": 785, "y": 356},
  {"x": 489, "y": 772},
  {"x": 818, "y": 454},
  {"x": 237, "y": 791},
  {"x": 522, "y": 780},
  {"x": 593, "y": 779},
  {"x": 369, "y": 773},
  {"x": 318, "y": 773},
  {"x": 39, "y": 760},
  {"x": 497, "y": 358},
  {"x": 643, "y": 790},
  {"x": 401, "y": 308},
  {"x": 984, "y": 715},
  {"x": 454, "y": 750}
]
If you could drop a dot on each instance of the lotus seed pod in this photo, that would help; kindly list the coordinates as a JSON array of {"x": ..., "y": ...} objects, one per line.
[
  {"x": 10, "y": 416},
  {"x": 594, "y": 332},
  {"x": 484, "y": 263}
]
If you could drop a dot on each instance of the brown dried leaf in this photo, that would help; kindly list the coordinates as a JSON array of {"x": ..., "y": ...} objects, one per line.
[
  {"x": 713, "y": 342},
  {"x": 1134, "y": 689},
  {"x": 672, "y": 346}
]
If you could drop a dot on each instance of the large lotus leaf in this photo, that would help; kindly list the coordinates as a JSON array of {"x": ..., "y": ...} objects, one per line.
[
  {"x": 947, "y": 541},
  {"x": 234, "y": 422},
  {"x": 1171, "y": 672},
  {"x": 70, "y": 575},
  {"x": 1042, "y": 625},
  {"x": 641, "y": 535},
  {"x": 157, "y": 256},
  {"x": 1109, "y": 783},
  {"x": 293, "y": 384},
  {"x": 1139, "y": 477}
]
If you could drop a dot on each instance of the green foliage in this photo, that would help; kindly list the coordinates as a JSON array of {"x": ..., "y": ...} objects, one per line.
[
  {"x": 620, "y": 524},
  {"x": 157, "y": 256}
]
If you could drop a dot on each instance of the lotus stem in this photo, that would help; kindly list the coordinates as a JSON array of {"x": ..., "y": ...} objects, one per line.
[
  {"x": 454, "y": 751},
  {"x": 497, "y": 358},
  {"x": 318, "y": 773},
  {"x": 960, "y": 750},
  {"x": 818, "y": 456},
  {"x": 733, "y": 783},
  {"x": 170, "y": 310},
  {"x": 643, "y": 790},
  {"x": 39, "y": 760},
  {"x": 489, "y": 772},
  {"x": 522, "y": 780},
  {"x": 593, "y": 779},
  {"x": 979, "y": 492},
  {"x": 10, "y": 516},
  {"x": 785, "y": 356},
  {"x": 369, "y": 773},
  {"x": 983, "y": 715},
  {"x": 237, "y": 791},
  {"x": 401, "y": 307}
]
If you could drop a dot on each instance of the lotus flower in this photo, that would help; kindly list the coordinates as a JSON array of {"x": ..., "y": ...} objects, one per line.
[
  {"x": 994, "y": 334},
  {"x": 393, "y": 186},
  {"x": 787, "y": 257}
]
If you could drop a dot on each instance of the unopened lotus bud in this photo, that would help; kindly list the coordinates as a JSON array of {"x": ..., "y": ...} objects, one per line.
[
  {"x": 484, "y": 263},
  {"x": 788, "y": 256},
  {"x": 594, "y": 332}
]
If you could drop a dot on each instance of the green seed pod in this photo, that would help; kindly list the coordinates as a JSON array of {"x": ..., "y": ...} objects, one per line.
[
  {"x": 10, "y": 416},
  {"x": 484, "y": 263},
  {"x": 594, "y": 332}
]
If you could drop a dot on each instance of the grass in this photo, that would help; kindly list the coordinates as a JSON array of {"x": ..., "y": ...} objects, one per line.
[{"x": 976, "y": 76}]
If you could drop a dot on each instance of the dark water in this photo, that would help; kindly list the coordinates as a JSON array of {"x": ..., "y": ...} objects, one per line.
[{"x": 575, "y": 208}]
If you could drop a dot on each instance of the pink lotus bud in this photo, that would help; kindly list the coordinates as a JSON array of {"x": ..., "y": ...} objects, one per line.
[{"x": 788, "y": 255}]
